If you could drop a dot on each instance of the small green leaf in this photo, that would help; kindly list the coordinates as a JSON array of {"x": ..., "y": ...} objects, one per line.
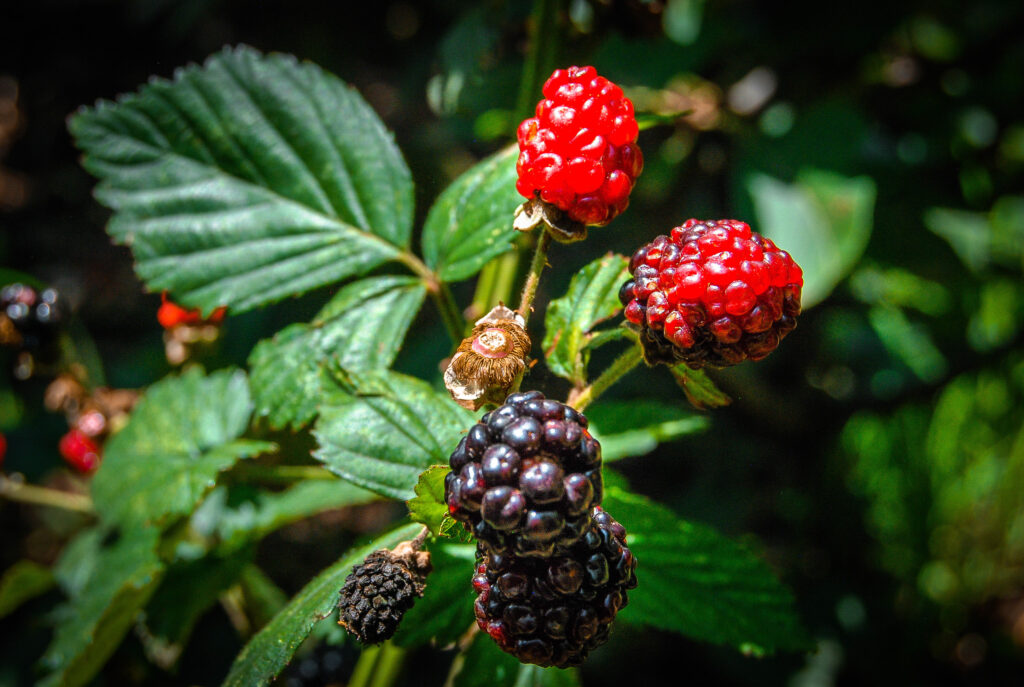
[
  {"x": 92, "y": 624},
  {"x": 380, "y": 430},
  {"x": 247, "y": 180},
  {"x": 429, "y": 507},
  {"x": 701, "y": 584},
  {"x": 471, "y": 221},
  {"x": 700, "y": 391},
  {"x": 180, "y": 436},
  {"x": 22, "y": 582},
  {"x": 823, "y": 220},
  {"x": 485, "y": 665},
  {"x": 445, "y": 612},
  {"x": 593, "y": 297},
  {"x": 633, "y": 428},
  {"x": 363, "y": 325},
  {"x": 271, "y": 649}
]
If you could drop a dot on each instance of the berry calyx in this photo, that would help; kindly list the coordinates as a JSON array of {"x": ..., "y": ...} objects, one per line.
[
  {"x": 80, "y": 451},
  {"x": 711, "y": 293},
  {"x": 579, "y": 153}
]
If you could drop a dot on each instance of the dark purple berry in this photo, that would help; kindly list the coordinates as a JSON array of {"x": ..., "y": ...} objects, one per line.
[
  {"x": 503, "y": 508},
  {"x": 523, "y": 435},
  {"x": 542, "y": 483}
]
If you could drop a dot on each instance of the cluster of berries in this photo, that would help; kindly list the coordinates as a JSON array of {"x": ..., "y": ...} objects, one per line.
[
  {"x": 185, "y": 328},
  {"x": 711, "y": 293},
  {"x": 552, "y": 566}
]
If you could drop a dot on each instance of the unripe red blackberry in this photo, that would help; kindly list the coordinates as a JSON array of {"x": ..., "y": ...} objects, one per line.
[
  {"x": 711, "y": 293},
  {"x": 579, "y": 152},
  {"x": 554, "y": 611},
  {"x": 379, "y": 591},
  {"x": 524, "y": 478},
  {"x": 80, "y": 451}
]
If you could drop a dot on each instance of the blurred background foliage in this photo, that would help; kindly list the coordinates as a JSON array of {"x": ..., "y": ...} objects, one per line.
[{"x": 878, "y": 455}]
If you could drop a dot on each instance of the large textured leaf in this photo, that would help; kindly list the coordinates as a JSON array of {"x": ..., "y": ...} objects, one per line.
[
  {"x": 383, "y": 429},
  {"x": 247, "y": 180},
  {"x": 180, "y": 436},
  {"x": 92, "y": 624},
  {"x": 701, "y": 584},
  {"x": 593, "y": 297},
  {"x": 271, "y": 649},
  {"x": 485, "y": 665},
  {"x": 445, "y": 613},
  {"x": 633, "y": 428},
  {"x": 823, "y": 220},
  {"x": 471, "y": 221},
  {"x": 363, "y": 326}
]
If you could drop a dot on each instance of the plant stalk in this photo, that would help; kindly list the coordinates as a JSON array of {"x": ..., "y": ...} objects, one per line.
[
  {"x": 540, "y": 259},
  {"x": 378, "y": 666},
  {"x": 44, "y": 496},
  {"x": 280, "y": 473},
  {"x": 580, "y": 399}
]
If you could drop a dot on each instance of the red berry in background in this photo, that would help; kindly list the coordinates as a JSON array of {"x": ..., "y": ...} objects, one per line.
[
  {"x": 579, "y": 152},
  {"x": 80, "y": 452},
  {"x": 171, "y": 314},
  {"x": 3, "y": 448},
  {"x": 711, "y": 293}
]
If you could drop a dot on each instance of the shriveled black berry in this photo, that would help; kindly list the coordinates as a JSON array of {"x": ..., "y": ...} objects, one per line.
[
  {"x": 379, "y": 591},
  {"x": 553, "y": 611}
]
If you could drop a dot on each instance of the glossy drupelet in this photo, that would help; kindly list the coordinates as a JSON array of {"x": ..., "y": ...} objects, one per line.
[
  {"x": 711, "y": 293},
  {"x": 554, "y": 611},
  {"x": 579, "y": 152},
  {"x": 525, "y": 477}
]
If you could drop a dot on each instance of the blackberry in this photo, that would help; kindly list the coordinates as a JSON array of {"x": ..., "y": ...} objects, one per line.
[
  {"x": 554, "y": 611},
  {"x": 379, "y": 591},
  {"x": 711, "y": 293},
  {"x": 579, "y": 152},
  {"x": 524, "y": 478}
]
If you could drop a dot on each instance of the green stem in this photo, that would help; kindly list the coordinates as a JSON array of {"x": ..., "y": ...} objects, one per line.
[
  {"x": 378, "y": 666},
  {"x": 540, "y": 259},
  {"x": 44, "y": 496},
  {"x": 624, "y": 363},
  {"x": 541, "y": 56},
  {"x": 454, "y": 323},
  {"x": 279, "y": 473}
]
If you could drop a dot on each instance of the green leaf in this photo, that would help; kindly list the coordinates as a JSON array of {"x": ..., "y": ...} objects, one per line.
[
  {"x": 485, "y": 665},
  {"x": 179, "y": 437},
  {"x": 92, "y": 624},
  {"x": 633, "y": 428},
  {"x": 22, "y": 582},
  {"x": 471, "y": 221},
  {"x": 429, "y": 507},
  {"x": 237, "y": 521},
  {"x": 271, "y": 649},
  {"x": 381, "y": 429},
  {"x": 700, "y": 391},
  {"x": 968, "y": 234},
  {"x": 445, "y": 612},
  {"x": 187, "y": 590},
  {"x": 823, "y": 220},
  {"x": 247, "y": 180},
  {"x": 701, "y": 584},
  {"x": 593, "y": 297},
  {"x": 363, "y": 325}
]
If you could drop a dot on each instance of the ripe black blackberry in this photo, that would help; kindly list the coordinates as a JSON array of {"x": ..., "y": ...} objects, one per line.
[
  {"x": 524, "y": 478},
  {"x": 379, "y": 591},
  {"x": 554, "y": 611}
]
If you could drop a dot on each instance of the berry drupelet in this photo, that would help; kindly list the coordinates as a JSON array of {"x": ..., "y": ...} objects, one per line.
[
  {"x": 711, "y": 293},
  {"x": 524, "y": 478},
  {"x": 554, "y": 611},
  {"x": 579, "y": 152}
]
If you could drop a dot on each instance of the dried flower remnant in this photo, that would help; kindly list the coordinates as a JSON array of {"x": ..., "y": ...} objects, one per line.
[{"x": 489, "y": 361}]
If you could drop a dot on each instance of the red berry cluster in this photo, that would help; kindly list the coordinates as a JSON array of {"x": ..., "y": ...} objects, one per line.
[
  {"x": 712, "y": 293},
  {"x": 579, "y": 152},
  {"x": 171, "y": 314}
]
